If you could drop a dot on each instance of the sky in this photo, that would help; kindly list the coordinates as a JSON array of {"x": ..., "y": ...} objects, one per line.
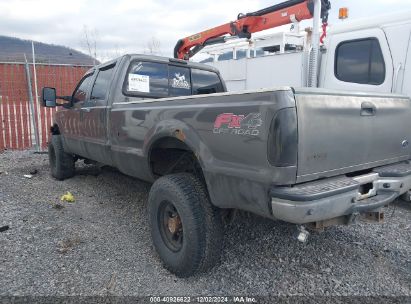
[{"x": 128, "y": 26}]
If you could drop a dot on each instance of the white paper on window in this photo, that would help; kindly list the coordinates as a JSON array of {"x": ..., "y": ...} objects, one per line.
[{"x": 138, "y": 83}]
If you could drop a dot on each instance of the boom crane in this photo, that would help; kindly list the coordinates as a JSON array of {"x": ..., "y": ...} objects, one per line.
[{"x": 246, "y": 24}]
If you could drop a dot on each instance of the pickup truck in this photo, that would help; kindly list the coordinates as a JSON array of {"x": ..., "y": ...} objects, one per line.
[{"x": 310, "y": 157}]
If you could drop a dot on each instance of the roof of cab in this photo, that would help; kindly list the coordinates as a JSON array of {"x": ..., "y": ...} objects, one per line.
[
  {"x": 161, "y": 59},
  {"x": 372, "y": 22}
]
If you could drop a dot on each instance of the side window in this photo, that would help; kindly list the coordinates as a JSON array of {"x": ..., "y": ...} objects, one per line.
[
  {"x": 205, "y": 82},
  {"x": 179, "y": 81},
  {"x": 360, "y": 61},
  {"x": 101, "y": 85},
  {"x": 147, "y": 78},
  {"x": 80, "y": 93}
]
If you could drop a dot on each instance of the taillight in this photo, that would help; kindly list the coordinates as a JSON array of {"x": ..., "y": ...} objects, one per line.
[{"x": 283, "y": 139}]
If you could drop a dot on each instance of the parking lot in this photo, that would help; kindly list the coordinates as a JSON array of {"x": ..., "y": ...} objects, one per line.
[{"x": 100, "y": 244}]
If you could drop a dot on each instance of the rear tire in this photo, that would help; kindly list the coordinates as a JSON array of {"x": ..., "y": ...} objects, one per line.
[
  {"x": 186, "y": 230},
  {"x": 61, "y": 163}
]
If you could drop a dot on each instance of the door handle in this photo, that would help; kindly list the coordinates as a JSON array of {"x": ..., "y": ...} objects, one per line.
[
  {"x": 87, "y": 110},
  {"x": 396, "y": 77},
  {"x": 368, "y": 109}
]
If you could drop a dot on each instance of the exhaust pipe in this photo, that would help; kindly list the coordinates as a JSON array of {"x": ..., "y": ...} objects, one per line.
[{"x": 313, "y": 62}]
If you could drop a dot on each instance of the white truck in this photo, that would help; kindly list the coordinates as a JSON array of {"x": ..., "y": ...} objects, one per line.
[{"x": 368, "y": 55}]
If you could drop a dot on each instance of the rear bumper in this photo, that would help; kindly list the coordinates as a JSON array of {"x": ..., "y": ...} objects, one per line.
[{"x": 334, "y": 197}]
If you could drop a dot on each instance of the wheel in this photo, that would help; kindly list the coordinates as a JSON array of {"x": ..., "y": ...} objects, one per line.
[
  {"x": 61, "y": 163},
  {"x": 186, "y": 230}
]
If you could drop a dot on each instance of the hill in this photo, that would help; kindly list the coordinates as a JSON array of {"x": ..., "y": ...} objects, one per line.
[{"x": 13, "y": 49}]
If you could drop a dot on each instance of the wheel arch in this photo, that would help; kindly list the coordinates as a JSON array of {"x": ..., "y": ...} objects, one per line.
[
  {"x": 166, "y": 155},
  {"x": 177, "y": 135},
  {"x": 166, "y": 145}
]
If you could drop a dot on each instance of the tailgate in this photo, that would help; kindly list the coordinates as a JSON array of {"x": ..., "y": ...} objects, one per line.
[{"x": 340, "y": 133}]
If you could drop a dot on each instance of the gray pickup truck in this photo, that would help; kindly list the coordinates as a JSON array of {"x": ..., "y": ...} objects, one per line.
[{"x": 306, "y": 156}]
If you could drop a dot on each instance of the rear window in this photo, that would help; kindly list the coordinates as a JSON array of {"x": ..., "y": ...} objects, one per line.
[
  {"x": 157, "y": 80},
  {"x": 179, "y": 81},
  {"x": 205, "y": 82},
  {"x": 147, "y": 79},
  {"x": 360, "y": 61}
]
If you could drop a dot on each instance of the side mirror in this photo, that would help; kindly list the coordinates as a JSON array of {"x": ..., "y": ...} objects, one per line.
[{"x": 48, "y": 97}]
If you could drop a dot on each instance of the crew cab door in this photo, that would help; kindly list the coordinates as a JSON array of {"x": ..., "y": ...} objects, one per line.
[
  {"x": 72, "y": 127},
  {"x": 358, "y": 61},
  {"x": 94, "y": 116}
]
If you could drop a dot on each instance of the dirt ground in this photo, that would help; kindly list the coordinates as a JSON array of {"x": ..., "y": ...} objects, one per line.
[{"x": 100, "y": 244}]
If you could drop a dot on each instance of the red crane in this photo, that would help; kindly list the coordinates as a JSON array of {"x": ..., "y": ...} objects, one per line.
[{"x": 246, "y": 24}]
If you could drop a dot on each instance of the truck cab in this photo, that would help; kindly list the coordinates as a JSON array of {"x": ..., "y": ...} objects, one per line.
[
  {"x": 371, "y": 55},
  {"x": 91, "y": 129}
]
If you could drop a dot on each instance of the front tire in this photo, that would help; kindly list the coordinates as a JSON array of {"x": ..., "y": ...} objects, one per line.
[
  {"x": 61, "y": 163},
  {"x": 186, "y": 229}
]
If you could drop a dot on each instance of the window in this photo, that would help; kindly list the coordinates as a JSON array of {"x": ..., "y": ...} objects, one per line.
[
  {"x": 360, "y": 61},
  {"x": 147, "y": 78},
  {"x": 207, "y": 60},
  {"x": 205, "y": 82},
  {"x": 80, "y": 93},
  {"x": 159, "y": 80},
  {"x": 101, "y": 85},
  {"x": 179, "y": 81},
  {"x": 226, "y": 56}
]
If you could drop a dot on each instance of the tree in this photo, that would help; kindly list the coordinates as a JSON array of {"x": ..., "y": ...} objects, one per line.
[
  {"x": 153, "y": 47},
  {"x": 89, "y": 42}
]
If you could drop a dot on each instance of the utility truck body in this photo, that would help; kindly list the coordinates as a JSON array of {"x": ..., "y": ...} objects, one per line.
[{"x": 368, "y": 55}]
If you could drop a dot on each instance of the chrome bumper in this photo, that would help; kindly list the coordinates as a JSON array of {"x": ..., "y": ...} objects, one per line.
[{"x": 338, "y": 196}]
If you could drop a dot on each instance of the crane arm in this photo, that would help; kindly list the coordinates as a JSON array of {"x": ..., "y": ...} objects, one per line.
[{"x": 245, "y": 25}]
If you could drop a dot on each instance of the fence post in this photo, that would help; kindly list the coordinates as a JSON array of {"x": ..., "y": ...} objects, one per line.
[
  {"x": 32, "y": 113},
  {"x": 36, "y": 99}
]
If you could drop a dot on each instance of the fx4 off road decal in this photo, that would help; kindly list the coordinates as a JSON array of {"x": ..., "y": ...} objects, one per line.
[{"x": 229, "y": 123}]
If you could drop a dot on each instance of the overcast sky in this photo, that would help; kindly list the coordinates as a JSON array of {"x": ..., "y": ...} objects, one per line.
[{"x": 125, "y": 26}]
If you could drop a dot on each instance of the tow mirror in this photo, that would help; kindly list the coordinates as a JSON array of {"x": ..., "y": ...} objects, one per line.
[{"x": 48, "y": 97}]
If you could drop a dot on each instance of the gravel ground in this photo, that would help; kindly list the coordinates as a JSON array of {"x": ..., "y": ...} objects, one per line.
[{"x": 100, "y": 244}]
